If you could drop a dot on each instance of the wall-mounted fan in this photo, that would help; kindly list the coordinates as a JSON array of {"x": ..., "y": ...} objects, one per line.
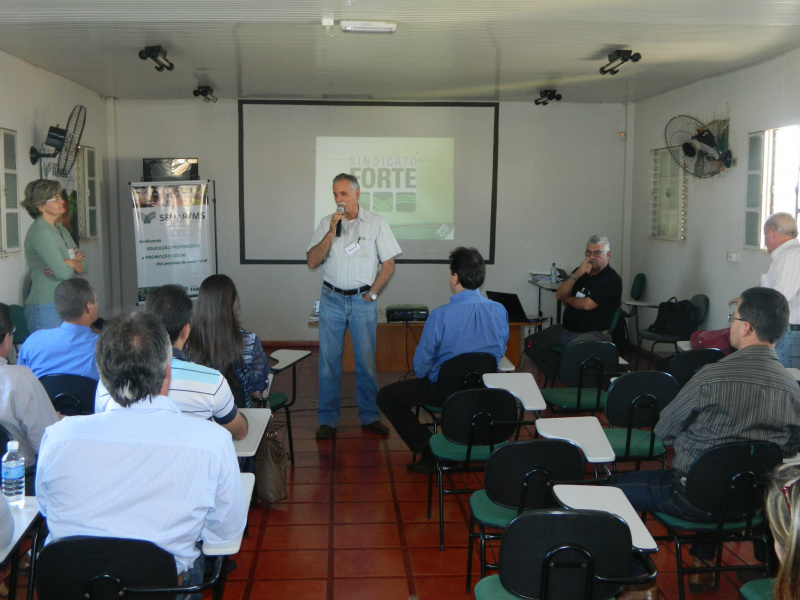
[
  {"x": 696, "y": 148},
  {"x": 65, "y": 142}
]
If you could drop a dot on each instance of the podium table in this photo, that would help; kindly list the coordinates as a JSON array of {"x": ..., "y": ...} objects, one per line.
[{"x": 396, "y": 343}]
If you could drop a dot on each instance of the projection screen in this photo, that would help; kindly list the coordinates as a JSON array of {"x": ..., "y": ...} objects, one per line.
[{"x": 429, "y": 169}]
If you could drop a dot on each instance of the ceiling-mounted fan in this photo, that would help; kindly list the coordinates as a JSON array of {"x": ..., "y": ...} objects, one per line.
[
  {"x": 65, "y": 142},
  {"x": 695, "y": 148}
]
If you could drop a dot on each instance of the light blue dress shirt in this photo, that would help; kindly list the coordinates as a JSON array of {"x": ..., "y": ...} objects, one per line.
[
  {"x": 65, "y": 349},
  {"x": 143, "y": 472}
]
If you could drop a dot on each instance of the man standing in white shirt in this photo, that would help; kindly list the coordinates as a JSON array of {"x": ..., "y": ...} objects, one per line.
[{"x": 780, "y": 237}]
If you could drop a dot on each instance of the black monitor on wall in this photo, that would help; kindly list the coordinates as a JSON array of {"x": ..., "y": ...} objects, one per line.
[{"x": 170, "y": 169}]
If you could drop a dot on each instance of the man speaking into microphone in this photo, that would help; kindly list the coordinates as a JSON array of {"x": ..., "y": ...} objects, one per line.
[{"x": 350, "y": 245}]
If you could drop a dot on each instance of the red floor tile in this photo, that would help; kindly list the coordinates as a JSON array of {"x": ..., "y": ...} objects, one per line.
[
  {"x": 378, "y": 474},
  {"x": 362, "y": 492},
  {"x": 372, "y": 535},
  {"x": 297, "y": 537},
  {"x": 309, "y": 492},
  {"x": 298, "y": 514},
  {"x": 308, "y": 589},
  {"x": 370, "y": 589},
  {"x": 442, "y": 588},
  {"x": 292, "y": 564},
  {"x": 375, "y": 562},
  {"x": 364, "y": 512}
]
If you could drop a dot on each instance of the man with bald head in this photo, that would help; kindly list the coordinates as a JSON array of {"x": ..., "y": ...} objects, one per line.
[{"x": 780, "y": 237}]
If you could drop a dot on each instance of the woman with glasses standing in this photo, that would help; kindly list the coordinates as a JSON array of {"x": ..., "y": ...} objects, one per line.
[{"x": 51, "y": 252}]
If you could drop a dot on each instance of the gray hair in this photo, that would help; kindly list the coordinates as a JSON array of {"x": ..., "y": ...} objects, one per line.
[
  {"x": 347, "y": 177},
  {"x": 71, "y": 297},
  {"x": 38, "y": 192},
  {"x": 133, "y": 352},
  {"x": 596, "y": 240},
  {"x": 782, "y": 223}
]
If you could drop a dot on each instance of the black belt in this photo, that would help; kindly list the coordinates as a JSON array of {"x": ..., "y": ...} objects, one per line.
[
  {"x": 362, "y": 290},
  {"x": 794, "y": 327}
]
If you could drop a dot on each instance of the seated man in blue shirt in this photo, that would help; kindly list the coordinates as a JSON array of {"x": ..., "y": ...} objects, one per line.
[
  {"x": 141, "y": 470},
  {"x": 469, "y": 323},
  {"x": 69, "y": 348},
  {"x": 196, "y": 390}
]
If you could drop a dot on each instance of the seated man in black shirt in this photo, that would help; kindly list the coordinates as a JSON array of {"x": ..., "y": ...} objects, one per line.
[{"x": 591, "y": 295}]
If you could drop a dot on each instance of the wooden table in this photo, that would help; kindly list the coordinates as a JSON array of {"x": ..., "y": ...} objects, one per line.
[
  {"x": 257, "y": 419},
  {"x": 397, "y": 342},
  {"x": 609, "y": 499},
  {"x": 585, "y": 432}
]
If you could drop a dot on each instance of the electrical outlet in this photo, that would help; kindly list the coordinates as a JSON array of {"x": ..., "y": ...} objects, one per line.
[{"x": 733, "y": 257}]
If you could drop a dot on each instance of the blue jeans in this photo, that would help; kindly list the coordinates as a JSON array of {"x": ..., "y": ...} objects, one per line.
[
  {"x": 42, "y": 316},
  {"x": 337, "y": 313},
  {"x": 788, "y": 349},
  {"x": 194, "y": 576}
]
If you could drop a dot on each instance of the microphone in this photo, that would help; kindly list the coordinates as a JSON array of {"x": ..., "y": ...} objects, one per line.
[{"x": 339, "y": 209}]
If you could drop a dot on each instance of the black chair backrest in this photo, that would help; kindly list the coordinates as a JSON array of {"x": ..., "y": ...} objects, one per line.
[
  {"x": 684, "y": 365},
  {"x": 585, "y": 364},
  {"x": 636, "y": 399},
  {"x": 730, "y": 478},
  {"x": 520, "y": 475},
  {"x": 560, "y": 553},
  {"x": 66, "y": 567},
  {"x": 481, "y": 416},
  {"x": 464, "y": 372},
  {"x": 64, "y": 390},
  {"x": 701, "y": 302},
  {"x": 5, "y": 437}
]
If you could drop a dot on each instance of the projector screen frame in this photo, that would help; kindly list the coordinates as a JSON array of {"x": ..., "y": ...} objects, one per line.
[{"x": 495, "y": 106}]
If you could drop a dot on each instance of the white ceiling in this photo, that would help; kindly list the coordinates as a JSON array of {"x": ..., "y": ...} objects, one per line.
[{"x": 443, "y": 50}]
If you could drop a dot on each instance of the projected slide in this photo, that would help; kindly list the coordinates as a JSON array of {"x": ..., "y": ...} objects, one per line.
[{"x": 407, "y": 181}]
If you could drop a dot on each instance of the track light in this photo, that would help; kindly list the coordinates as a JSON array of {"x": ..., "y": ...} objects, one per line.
[
  {"x": 618, "y": 58},
  {"x": 206, "y": 92},
  {"x": 367, "y": 26},
  {"x": 158, "y": 56},
  {"x": 546, "y": 96}
]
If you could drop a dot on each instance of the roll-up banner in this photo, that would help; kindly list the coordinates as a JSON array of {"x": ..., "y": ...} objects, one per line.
[{"x": 174, "y": 234}]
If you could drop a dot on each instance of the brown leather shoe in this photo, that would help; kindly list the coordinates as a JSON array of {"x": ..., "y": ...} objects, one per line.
[
  {"x": 647, "y": 591},
  {"x": 700, "y": 582},
  {"x": 376, "y": 427},
  {"x": 325, "y": 432}
]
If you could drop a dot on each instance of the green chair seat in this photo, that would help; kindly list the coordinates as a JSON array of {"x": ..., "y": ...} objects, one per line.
[
  {"x": 277, "y": 400},
  {"x": 489, "y": 514},
  {"x": 567, "y": 398},
  {"x": 759, "y": 589},
  {"x": 490, "y": 588},
  {"x": 445, "y": 450},
  {"x": 640, "y": 442},
  {"x": 683, "y": 524}
]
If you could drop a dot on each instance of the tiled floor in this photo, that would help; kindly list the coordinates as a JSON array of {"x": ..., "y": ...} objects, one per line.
[{"x": 355, "y": 525}]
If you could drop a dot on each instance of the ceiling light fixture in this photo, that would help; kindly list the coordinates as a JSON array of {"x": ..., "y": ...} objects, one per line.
[
  {"x": 546, "y": 96},
  {"x": 618, "y": 58},
  {"x": 158, "y": 56},
  {"x": 205, "y": 92},
  {"x": 367, "y": 26}
]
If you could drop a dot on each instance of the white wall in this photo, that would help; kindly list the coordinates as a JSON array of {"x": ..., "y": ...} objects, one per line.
[
  {"x": 31, "y": 100},
  {"x": 560, "y": 181},
  {"x": 761, "y": 97}
]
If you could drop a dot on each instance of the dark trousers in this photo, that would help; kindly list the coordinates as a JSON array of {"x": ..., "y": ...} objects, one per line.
[{"x": 398, "y": 402}]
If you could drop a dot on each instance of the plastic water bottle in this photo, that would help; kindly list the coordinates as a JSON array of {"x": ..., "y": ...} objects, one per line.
[
  {"x": 13, "y": 473},
  {"x": 553, "y": 274}
]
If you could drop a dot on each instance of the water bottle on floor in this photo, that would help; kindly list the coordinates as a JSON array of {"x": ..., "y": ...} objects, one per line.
[{"x": 13, "y": 473}]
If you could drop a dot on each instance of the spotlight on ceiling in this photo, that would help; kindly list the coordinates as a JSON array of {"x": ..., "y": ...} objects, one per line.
[
  {"x": 367, "y": 26},
  {"x": 205, "y": 92},
  {"x": 158, "y": 56},
  {"x": 618, "y": 58},
  {"x": 546, "y": 96}
]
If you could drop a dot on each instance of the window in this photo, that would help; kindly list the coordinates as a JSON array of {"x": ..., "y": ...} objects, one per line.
[
  {"x": 668, "y": 213},
  {"x": 773, "y": 171},
  {"x": 87, "y": 193},
  {"x": 9, "y": 193}
]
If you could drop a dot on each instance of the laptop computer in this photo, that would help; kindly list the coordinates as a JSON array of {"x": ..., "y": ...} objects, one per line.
[{"x": 516, "y": 314}]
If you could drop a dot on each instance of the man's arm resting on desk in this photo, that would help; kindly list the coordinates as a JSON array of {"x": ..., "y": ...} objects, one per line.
[{"x": 238, "y": 426}]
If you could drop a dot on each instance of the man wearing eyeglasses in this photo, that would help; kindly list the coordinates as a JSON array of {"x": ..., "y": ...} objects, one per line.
[
  {"x": 591, "y": 295},
  {"x": 747, "y": 395}
]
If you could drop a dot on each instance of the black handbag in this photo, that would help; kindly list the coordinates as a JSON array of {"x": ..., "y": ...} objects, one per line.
[{"x": 676, "y": 318}]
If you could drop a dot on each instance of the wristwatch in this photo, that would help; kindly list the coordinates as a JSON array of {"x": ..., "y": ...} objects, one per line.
[{"x": 373, "y": 297}]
